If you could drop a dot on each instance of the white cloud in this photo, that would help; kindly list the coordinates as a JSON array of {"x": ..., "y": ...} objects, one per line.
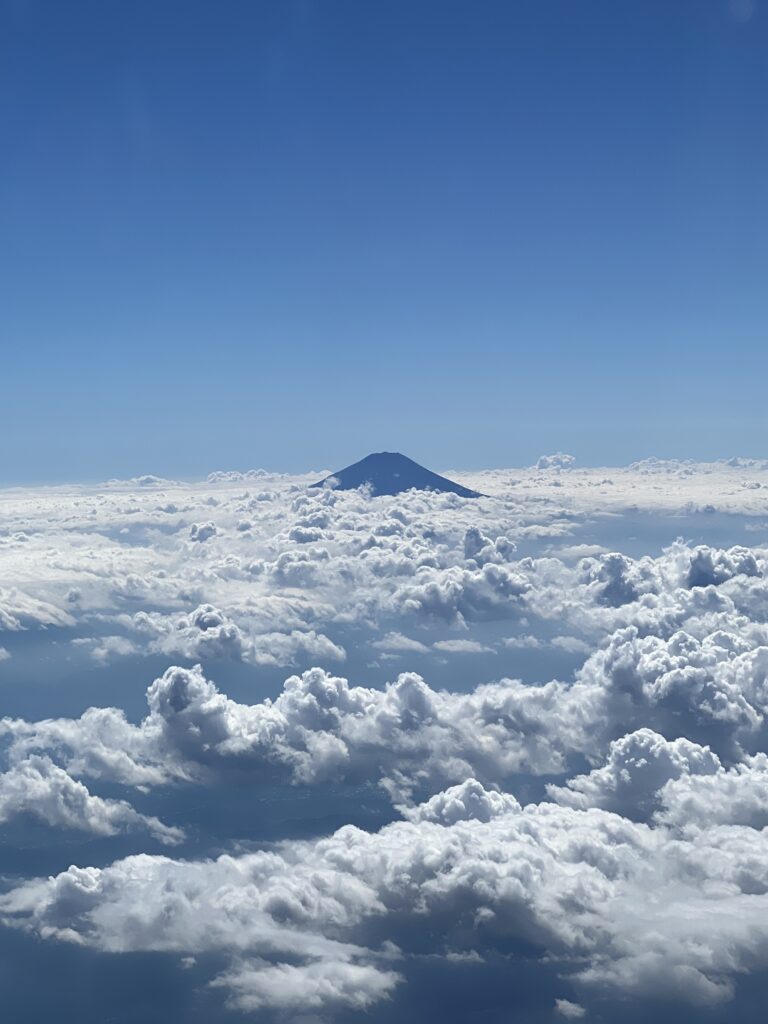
[
  {"x": 461, "y": 647},
  {"x": 395, "y": 642},
  {"x": 647, "y": 863},
  {"x": 39, "y": 788},
  {"x": 467, "y": 801},
  {"x": 613, "y": 900},
  {"x": 408, "y": 736},
  {"x": 637, "y": 769},
  {"x": 736, "y": 795},
  {"x": 557, "y": 461},
  {"x": 202, "y": 532},
  {"x": 569, "y": 1010},
  {"x": 325, "y": 985}
]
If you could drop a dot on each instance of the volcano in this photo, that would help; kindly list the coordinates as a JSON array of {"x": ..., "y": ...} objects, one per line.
[{"x": 392, "y": 473}]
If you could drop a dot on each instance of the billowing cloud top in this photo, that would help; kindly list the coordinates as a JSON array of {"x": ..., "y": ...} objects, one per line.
[{"x": 532, "y": 720}]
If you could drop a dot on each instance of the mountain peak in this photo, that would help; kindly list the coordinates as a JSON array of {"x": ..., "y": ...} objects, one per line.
[{"x": 391, "y": 473}]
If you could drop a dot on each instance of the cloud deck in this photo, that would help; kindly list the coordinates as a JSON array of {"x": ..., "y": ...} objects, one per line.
[{"x": 550, "y": 702}]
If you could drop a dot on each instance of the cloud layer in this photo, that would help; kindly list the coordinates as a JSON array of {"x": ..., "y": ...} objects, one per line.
[{"x": 565, "y": 728}]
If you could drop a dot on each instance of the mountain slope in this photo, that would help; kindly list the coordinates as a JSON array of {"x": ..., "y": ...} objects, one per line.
[{"x": 392, "y": 473}]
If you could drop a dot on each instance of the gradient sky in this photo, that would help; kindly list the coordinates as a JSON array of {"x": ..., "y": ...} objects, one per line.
[{"x": 286, "y": 233}]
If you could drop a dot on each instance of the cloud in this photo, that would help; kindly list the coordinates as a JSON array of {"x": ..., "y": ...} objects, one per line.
[
  {"x": 557, "y": 461},
  {"x": 416, "y": 740},
  {"x": 202, "y": 532},
  {"x": 327, "y": 985},
  {"x": 314, "y": 561},
  {"x": 206, "y": 632},
  {"x": 407, "y": 736},
  {"x": 461, "y": 595},
  {"x": 479, "y": 550},
  {"x": 40, "y": 789},
  {"x": 730, "y": 796},
  {"x": 19, "y": 610},
  {"x": 645, "y": 865},
  {"x": 467, "y": 801},
  {"x": 395, "y": 642},
  {"x": 636, "y": 771},
  {"x": 613, "y": 900},
  {"x": 461, "y": 647},
  {"x": 569, "y": 1010}
]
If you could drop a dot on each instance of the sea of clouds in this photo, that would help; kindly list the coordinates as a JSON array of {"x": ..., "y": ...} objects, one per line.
[{"x": 307, "y": 748}]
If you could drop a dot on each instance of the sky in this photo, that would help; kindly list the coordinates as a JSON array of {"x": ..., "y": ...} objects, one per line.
[{"x": 284, "y": 234}]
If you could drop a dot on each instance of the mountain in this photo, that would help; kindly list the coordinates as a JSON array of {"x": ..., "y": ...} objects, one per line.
[{"x": 391, "y": 473}]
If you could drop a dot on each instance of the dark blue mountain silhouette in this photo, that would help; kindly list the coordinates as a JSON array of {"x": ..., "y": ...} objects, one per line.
[{"x": 391, "y": 473}]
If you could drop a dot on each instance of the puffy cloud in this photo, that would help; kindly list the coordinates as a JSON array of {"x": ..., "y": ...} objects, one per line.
[
  {"x": 395, "y": 642},
  {"x": 637, "y": 769},
  {"x": 327, "y": 985},
  {"x": 206, "y": 632},
  {"x": 408, "y": 736},
  {"x": 415, "y": 739},
  {"x": 614, "y": 901},
  {"x": 557, "y": 461},
  {"x": 202, "y": 532},
  {"x": 674, "y": 782},
  {"x": 40, "y": 789},
  {"x": 569, "y": 1010},
  {"x": 710, "y": 568},
  {"x": 418, "y": 559},
  {"x": 479, "y": 549},
  {"x": 469, "y": 800},
  {"x": 105, "y": 648},
  {"x": 729, "y": 796},
  {"x": 712, "y": 689},
  {"x": 461, "y": 647},
  {"x": 20, "y": 610},
  {"x": 646, "y": 864},
  {"x": 460, "y": 595}
]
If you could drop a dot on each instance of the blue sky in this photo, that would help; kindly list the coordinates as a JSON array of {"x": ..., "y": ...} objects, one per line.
[{"x": 287, "y": 233}]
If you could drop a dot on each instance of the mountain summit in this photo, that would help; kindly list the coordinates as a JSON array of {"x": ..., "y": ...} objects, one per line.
[{"x": 391, "y": 473}]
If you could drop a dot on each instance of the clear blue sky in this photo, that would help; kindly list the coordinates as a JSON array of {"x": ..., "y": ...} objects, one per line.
[{"x": 286, "y": 233}]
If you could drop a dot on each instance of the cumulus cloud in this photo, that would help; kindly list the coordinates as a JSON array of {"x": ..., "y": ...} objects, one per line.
[
  {"x": 202, "y": 532},
  {"x": 38, "y": 788},
  {"x": 638, "y": 768},
  {"x": 326, "y": 985},
  {"x": 569, "y": 1010},
  {"x": 461, "y": 595},
  {"x": 20, "y": 610},
  {"x": 414, "y": 739},
  {"x": 615, "y": 898},
  {"x": 644, "y": 866},
  {"x": 206, "y": 632},
  {"x": 557, "y": 461},
  {"x": 407, "y": 735},
  {"x": 275, "y": 560},
  {"x": 395, "y": 643},
  {"x": 730, "y": 796},
  {"x": 461, "y": 647},
  {"x": 469, "y": 800}
]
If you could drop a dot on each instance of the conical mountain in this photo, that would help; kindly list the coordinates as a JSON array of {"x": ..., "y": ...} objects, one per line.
[{"x": 392, "y": 473}]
